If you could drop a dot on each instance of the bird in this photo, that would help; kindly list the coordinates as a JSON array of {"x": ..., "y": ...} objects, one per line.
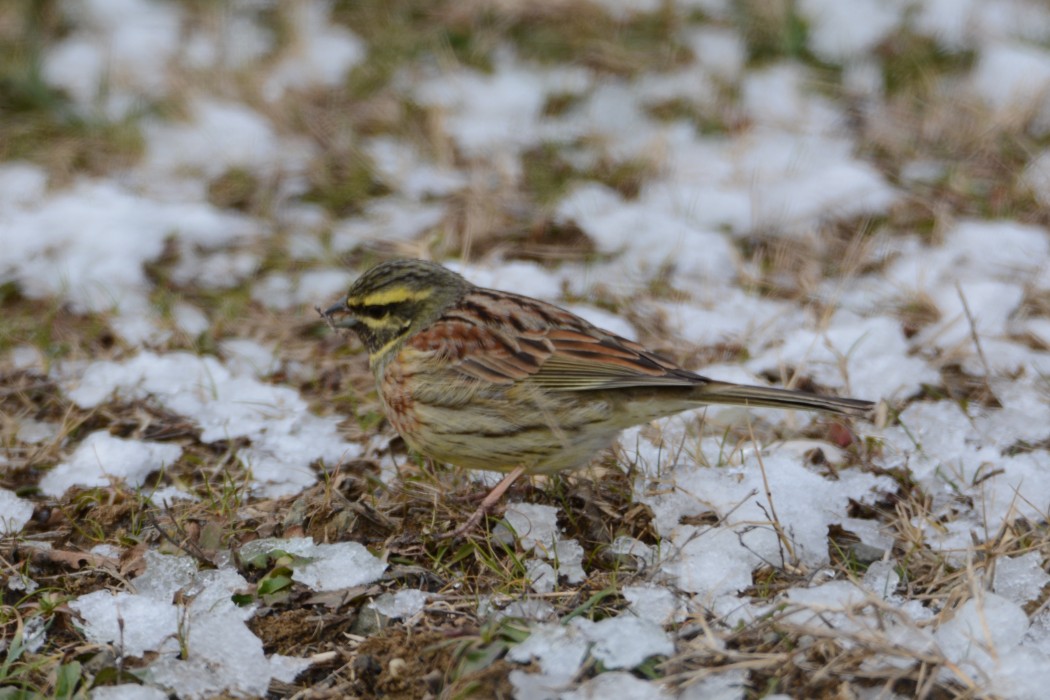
[{"x": 488, "y": 379}]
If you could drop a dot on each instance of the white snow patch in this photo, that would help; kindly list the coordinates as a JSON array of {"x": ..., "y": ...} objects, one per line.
[
  {"x": 773, "y": 178},
  {"x": 127, "y": 691},
  {"x": 641, "y": 555},
  {"x": 168, "y": 495},
  {"x": 35, "y": 432},
  {"x": 1020, "y": 579},
  {"x": 647, "y": 237},
  {"x": 101, "y": 458},
  {"x": 323, "y": 567},
  {"x": 248, "y": 357},
  {"x": 715, "y": 561},
  {"x": 868, "y": 357},
  {"x": 658, "y": 604},
  {"x": 515, "y": 276},
  {"x": 27, "y": 358},
  {"x": 87, "y": 245},
  {"x": 389, "y": 219},
  {"x": 218, "y": 136},
  {"x": 311, "y": 288},
  {"x": 731, "y": 315},
  {"x": 320, "y": 52},
  {"x": 1014, "y": 80},
  {"x": 15, "y": 512},
  {"x": 223, "y": 654},
  {"x": 955, "y": 456},
  {"x": 728, "y": 685},
  {"x": 990, "y": 306},
  {"x": 21, "y": 185},
  {"x": 975, "y": 251},
  {"x": 137, "y": 622},
  {"x": 1025, "y": 415},
  {"x": 404, "y": 169},
  {"x": 117, "y": 55},
  {"x": 720, "y": 51},
  {"x": 189, "y": 319},
  {"x": 711, "y": 562},
  {"x": 1037, "y": 177},
  {"x": 951, "y": 22},
  {"x": 619, "y": 685},
  {"x": 214, "y": 270},
  {"x": 542, "y": 576},
  {"x": 839, "y": 31},
  {"x": 982, "y": 633},
  {"x": 782, "y": 96},
  {"x": 606, "y": 320},
  {"x": 560, "y": 650},
  {"x": 533, "y": 524},
  {"x": 536, "y": 527},
  {"x": 285, "y": 436}
]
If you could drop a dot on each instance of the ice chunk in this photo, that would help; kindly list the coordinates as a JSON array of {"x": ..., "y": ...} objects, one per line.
[
  {"x": 626, "y": 641},
  {"x": 135, "y": 623},
  {"x": 127, "y": 691},
  {"x": 542, "y": 577},
  {"x": 1020, "y": 579},
  {"x": 882, "y": 579},
  {"x": 619, "y": 685},
  {"x": 323, "y": 567},
  {"x": 559, "y": 649},
  {"x": 657, "y": 604},
  {"x": 165, "y": 574},
  {"x": 222, "y": 655},
  {"x": 533, "y": 524},
  {"x": 401, "y": 604}
]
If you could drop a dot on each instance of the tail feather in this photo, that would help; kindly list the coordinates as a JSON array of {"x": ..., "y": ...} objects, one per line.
[{"x": 768, "y": 397}]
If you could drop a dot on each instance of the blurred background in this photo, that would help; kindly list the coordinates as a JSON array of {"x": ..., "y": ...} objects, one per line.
[{"x": 839, "y": 195}]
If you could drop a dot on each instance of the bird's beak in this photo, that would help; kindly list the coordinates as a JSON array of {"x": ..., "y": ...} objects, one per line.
[{"x": 338, "y": 316}]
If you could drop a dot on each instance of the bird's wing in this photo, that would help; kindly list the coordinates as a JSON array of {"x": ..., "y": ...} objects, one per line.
[{"x": 506, "y": 340}]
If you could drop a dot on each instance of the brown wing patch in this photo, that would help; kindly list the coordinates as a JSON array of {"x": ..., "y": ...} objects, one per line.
[
  {"x": 484, "y": 352},
  {"x": 503, "y": 339}
]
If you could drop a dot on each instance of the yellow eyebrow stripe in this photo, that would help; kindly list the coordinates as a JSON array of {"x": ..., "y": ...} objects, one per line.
[{"x": 392, "y": 296}]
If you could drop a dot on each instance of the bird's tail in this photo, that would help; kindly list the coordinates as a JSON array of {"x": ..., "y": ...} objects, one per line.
[{"x": 715, "y": 392}]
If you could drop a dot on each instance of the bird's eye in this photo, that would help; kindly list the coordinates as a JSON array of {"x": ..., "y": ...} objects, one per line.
[{"x": 376, "y": 311}]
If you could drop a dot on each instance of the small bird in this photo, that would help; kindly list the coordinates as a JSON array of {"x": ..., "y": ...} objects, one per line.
[{"x": 487, "y": 379}]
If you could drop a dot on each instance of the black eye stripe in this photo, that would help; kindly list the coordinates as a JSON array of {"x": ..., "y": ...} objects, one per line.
[{"x": 376, "y": 311}]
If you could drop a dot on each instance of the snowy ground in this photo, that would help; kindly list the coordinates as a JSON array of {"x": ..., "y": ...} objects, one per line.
[{"x": 198, "y": 493}]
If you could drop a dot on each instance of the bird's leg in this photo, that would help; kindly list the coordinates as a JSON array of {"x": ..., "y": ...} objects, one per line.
[{"x": 486, "y": 504}]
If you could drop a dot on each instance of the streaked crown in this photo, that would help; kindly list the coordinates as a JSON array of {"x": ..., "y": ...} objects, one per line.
[{"x": 394, "y": 299}]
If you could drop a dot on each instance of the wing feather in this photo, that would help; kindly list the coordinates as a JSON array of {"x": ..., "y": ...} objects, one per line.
[{"x": 505, "y": 342}]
